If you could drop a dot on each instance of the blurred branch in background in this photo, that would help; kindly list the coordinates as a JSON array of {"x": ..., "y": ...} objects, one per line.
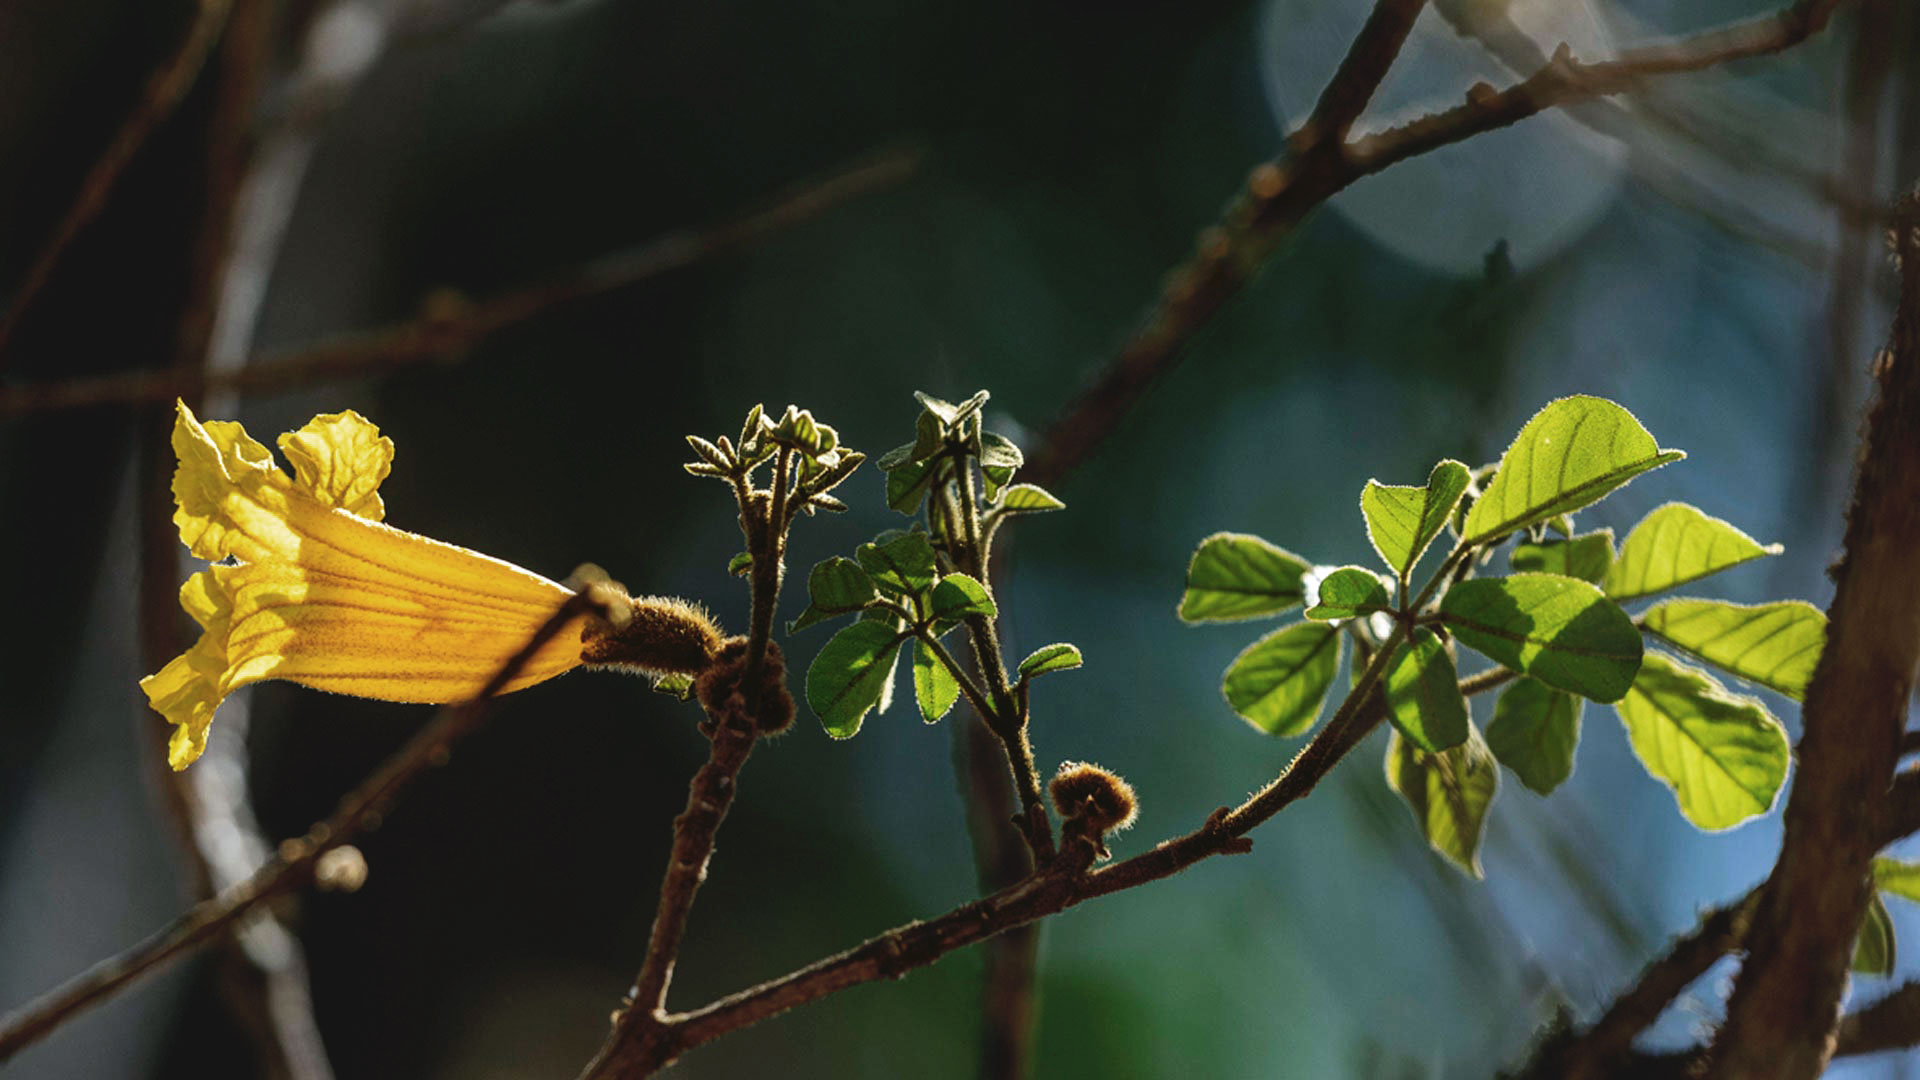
[
  {"x": 261, "y": 970},
  {"x": 1320, "y": 163},
  {"x": 158, "y": 99},
  {"x": 451, "y": 325},
  {"x": 294, "y": 863}
]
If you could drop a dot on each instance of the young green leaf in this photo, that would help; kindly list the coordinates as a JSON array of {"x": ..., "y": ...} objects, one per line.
[
  {"x": 901, "y": 565},
  {"x": 1350, "y": 591},
  {"x": 852, "y": 674},
  {"x": 813, "y": 616},
  {"x": 1874, "y": 951},
  {"x": 1676, "y": 544},
  {"x": 1557, "y": 629},
  {"x": 943, "y": 411},
  {"x": 1570, "y": 455},
  {"x": 1279, "y": 682},
  {"x": 958, "y": 596},
  {"x": 1534, "y": 732},
  {"x": 1029, "y": 499},
  {"x": 1587, "y": 556},
  {"x": 999, "y": 457},
  {"x": 674, "y": 684},
  {"x": 839, "y": 585},
  {"x": 1775, "y": 645},
  {"x": 1059, "y": 656},
  {"x": 1449, "y": 794},
  {"x": 740, "y": 564},
  {"x": 1897, "y": 876},
  {"x": 907, "y": 484},
  {"x": 1423, "y": 694},
  {"x": 1724, "y": 756},
  {"x": 1236, "y": 576},
  {"x": 934, "y": 687},
  {"x": 1402, "y": 521}
]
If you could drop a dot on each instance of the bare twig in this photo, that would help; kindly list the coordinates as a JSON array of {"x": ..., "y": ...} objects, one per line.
[
  {"x": 162, "y": 93},
  {"x": 1781, "y": 1015},
  {"x": 291, "y": 866},
  {"x": 1892, "y": 1023},
  {"x": 1279, "y": 195},
  {"x": 452, "y": 326}
]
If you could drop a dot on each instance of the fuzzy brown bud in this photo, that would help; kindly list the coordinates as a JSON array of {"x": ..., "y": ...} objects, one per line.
[
  {"x": 1092, "y": 795},
  {"x": 719, "y": 686},
  {"x": 659, "y": 635}
]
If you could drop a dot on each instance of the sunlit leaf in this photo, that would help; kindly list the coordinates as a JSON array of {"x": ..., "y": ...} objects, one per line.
[
  {"x": 1449, "y": 794},
  {"x": 1349, "y": 591},
  {"x": 839, "y": 585},
  {"x": 907, "y": 484},
  {"x": 934, "y": 687},
  {"x": 1675, "y": 544},
  {"x": 1534, "y": 732},
  {"x": 1029, "y": 499},
  {"x": 1586, "y": 556},
  {"x": 1875, "y": 950},
  {"x": 851, "y": 675},
  {"x": 1279, "y": 682},
  {"x": 1897, "y": 876},
  {"x": 999, "y": 457},
  {"x": 1402, "y": 521},
  {"x": 958, "y": 596},
  {"x": 1775, "y": 645},
  {"x": 903, "y": 564},
  {"x": 1423, "y": 693},
  {"x": 1557, "y": 629},
  {"x": 1237, "y": 576},
  {"x": 1570, "y": 455},
  {"x": 1724, "y": 755},
  {"x": 1059, "y": 656}
]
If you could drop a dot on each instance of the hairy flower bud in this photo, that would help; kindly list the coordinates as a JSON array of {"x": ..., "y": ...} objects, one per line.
[{"x": 1097, "y": 797}]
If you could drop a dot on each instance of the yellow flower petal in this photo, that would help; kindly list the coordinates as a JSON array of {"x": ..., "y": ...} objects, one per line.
[
  {"x": 320, "y": 594},
  {"x": 340, "y": 459}
]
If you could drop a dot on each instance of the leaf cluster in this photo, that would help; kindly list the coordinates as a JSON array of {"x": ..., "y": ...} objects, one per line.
[{"x": 1553, "y": 628}]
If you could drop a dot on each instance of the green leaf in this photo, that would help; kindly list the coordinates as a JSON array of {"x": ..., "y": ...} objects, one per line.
[
  {"x": 1570, "y": 455},
  {"x": 1059, "y": 656},
  {"x": 1897, "y": 876},
  {"x": 674, "y": 684},
  {"x": 929, "y": 436},
  {"x": 1029, "y": 499},
  {"x": 1278, "y": 683},
  {"x": 1423, "y": 694},
  {"x": 958, "y": 596},
  {"x": 1449, "y": 794},
  {"x": 934, "y": 687},
  {"x": 1723, "y": 755},
  {"x": 943, "y": 411},
  {"x": 1534, "y": 732},
  {"x": 1874, "y": 951},
  {"x": 1676, "y": 544},
  {"x": 1775, "y": 645},
  {"x": 1236, "y": 576},
  {"x": 1350, "y": 591},
  {"x": 813, "y": 616},
  {"x": 1557, "y": 629},
  {"x": 999, "y": 457},
  {"x": 851, "y": 675},
  {"x": 839, "y": 585},
  {"x": 1402, "y": 521},
  {"x": 901, "y": 565},
  {"x": 741, "y": 563},
  {"x": 907, "y": 484},
  {"x": 1587, "y": 556}
]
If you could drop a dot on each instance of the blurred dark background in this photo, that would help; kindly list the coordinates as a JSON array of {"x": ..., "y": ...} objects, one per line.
[{"x": 1041, "y": 167}]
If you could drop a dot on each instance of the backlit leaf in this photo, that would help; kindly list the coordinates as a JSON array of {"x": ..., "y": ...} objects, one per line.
[
  {"x": 1675, "y": 544},
  {"x": 1449, "y": 794},
  {"x": 851, "y": 675},
  {"x": 1587, "y": 556},
  {"x": 1402, "y": 521},
  {"x": 1775, "y": 645},
  {"x": 1571, "y": 454},
  {"x": 1349, "y": 591},
  {"x": 1059, "y": 656},
  {"x": 1875, "y": 951},
  {"x": 1534, "y": 732},
  {"x": 1237, "y": 576},
  {"x": 1423, "y": 694},
  {"x": 1279, "y": 682},
  {"x": 1557, "y": 629},
  {"x": 1724, "y": 756},
  {"x": 934, "y": 687}
]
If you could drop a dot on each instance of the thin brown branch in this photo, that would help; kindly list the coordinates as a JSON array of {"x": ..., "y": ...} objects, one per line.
[
  {"x": 161, "y": 95},
  {"x": 1368, "y": 59},
  {"x": 1785, "y": 1001},
  {"x": 291, "y": 866},
  {"x": 451, "y": 326},
  {"x": 1055, "y": 888},
  {"x": 1279, "y": 194},
  {"x": 1892, "y": 1023}
]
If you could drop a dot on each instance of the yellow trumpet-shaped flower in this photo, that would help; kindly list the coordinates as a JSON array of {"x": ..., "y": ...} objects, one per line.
[{"x": 309, "y": 586}]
